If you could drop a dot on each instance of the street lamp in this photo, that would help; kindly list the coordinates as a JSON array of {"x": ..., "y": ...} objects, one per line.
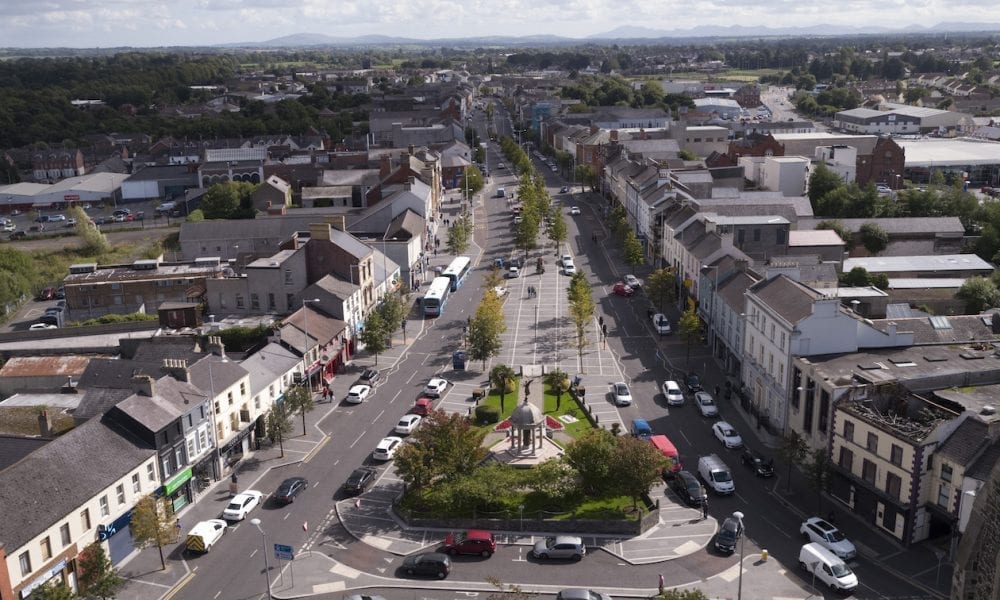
[
  {"x": 739, "y": 588},
  {"x": 305, "y": 330},
  {"x": 263, "y": 542}
]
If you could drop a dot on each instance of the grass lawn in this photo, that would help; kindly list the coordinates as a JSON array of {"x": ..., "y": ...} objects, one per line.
[
  {"x": 568, "y": 406},
  {"x": 511, "y": 400}
]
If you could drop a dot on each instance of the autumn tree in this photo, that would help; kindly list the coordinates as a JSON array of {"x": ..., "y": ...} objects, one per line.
[
  {"x": 486, "y": 327},
  {"x": 279, "y": 424},
  {"x": 581, "y": 309},
  {"x": 793, "y": 451},
  {"x": 153, "y": 524},
  {"x": 98, "y": 579},
  {"x": 636, "y": 466}
]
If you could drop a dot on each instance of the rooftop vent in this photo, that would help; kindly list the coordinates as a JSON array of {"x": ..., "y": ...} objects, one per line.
[{"x": 988, "y": 409}]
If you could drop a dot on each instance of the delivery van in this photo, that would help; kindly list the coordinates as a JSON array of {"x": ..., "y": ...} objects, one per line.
[
  {"x": 669, "y": 451},
  {"x": 825, "y": 566},
  {"x": 501, "y": 193},
  {"x": 203, "y": 536},
  {"x": 716, "y": 475}
]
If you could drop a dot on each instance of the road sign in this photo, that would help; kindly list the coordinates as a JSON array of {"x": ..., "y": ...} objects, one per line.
[{"x": 283, "y": 552}]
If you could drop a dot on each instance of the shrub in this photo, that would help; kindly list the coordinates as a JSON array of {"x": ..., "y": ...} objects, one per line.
[{"x": 487, "y": 414}]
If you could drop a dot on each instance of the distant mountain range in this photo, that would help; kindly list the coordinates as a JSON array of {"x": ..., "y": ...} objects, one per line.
[{"x": 625, "y": 32}]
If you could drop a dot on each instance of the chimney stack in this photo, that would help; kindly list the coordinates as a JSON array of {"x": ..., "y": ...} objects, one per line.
[
  {"x": 177, "y": 368},
  {"x": 216, "y": 347},
  {"x": 741, "y": 265},
  {"x": 143, "y": 385}
]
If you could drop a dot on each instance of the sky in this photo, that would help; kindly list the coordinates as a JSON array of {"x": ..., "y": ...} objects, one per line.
[{"x": 151, "y": 23}]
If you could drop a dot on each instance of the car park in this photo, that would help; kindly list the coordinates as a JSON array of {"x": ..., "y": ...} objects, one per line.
[
  {"x": 824, "y": 533},
  {"x": 706, "y": 405},
  {"x": 581, "y": 594},
  {"x": 728, "y": 535},
  {"x": 672, "y": 392},
  {"x": 632, "y": 281},
  {"x": 359, "y": 480},
  {"x": 661, "y": 324},
  {"x": 620, "y": 289},
  {"x": 474, "y": 541},
  {"x": 761, "y": 466},
  {"x": 241, "y": 504},
  {"x": 357, "y": 394},
  {"x": 43, "y": 218},
  {"x": 435, "y": 387},
  {"x": 407, "y": 424},
  {"x": 386, "y": 448},
  {"x": 726, "y": 433},
  {"x": 369, "y": 376},
  {"x": 289, "y": 489},
  {"x": 560, "y": 547},
  {"x": 574, "y": 210},
  {"x": 688, "y": 488},
  {"x": 435, "y": 564},
  {"x": 622, "y": 395}
]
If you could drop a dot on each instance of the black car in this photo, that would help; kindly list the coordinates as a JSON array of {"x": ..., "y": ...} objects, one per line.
[
  {"x": 369, "y": 376},
  {"x": 359, "y": 480},
  {"x": 428, "y": 563},
  {"x": 687, "y": 486},
  {"x": 729, "y": 534},
  {"x": 289, "y": 489},
  {"x": 19, "y": 235},
  {"x": 761, "y": 465},
  {"x": 694, "y": 383}
]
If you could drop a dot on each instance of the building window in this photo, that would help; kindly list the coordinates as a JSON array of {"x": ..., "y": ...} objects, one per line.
[
  {"x": 165, "y": 463},
  {"x": 849, "y": 431},
  {"x": 243, "y": 388},
  {"x": 254, "y": 301},
  {"x": 796, "y": 387},
  {"x": 824, "y": 409},
  {"x": 807, "y": 413},
  {"x": 46, "y": 546},
  {"x": 946, "y": 472},
  {"x": 944, "y": 496},
  {"x": 136, "y": 483},
  {"x": 239, "y": 300},
  {"x": 203, "y": 437},
  {"x": 270, "y": 302},
  {"x": 105, "y": 509},
  {"x": 25, "y": 560},
  {"x": 192, "y": 452},
  {"x": 64, "y": 534},
  {"x": 893, "y": 484},
  {"x": 289, "y": 280},
  {"x": 872, "y": 443},
  {"x": 289, "y": 301},
  {"x": 896, "y": 455},
  {"x": 151, "y": 472},
  {"x": 229, "y": 396},
  {"x": 756, "y": 234},
  {"x": 120, "y": 493},
  {"x": 85, "y": 519},
  {"x": 846, "y": 459},
  {"x": 782, "y": 340},
  {"x": 868, "y": 471}
]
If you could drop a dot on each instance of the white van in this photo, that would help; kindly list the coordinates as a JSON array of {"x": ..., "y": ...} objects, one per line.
[
  {"x": 672, "y": 392},
  {"x": 826, "y": 567},
  {"x": 716, "y": 475},
  {"x": 203, "y": 536}
]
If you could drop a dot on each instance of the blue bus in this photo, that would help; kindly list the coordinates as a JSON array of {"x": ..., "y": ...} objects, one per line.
[
  {"x": 436, "y": 297},
  {"x": 457, "y": 271}
]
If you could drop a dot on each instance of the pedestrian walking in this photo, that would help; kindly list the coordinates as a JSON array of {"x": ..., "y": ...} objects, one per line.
[
  {"x": 661, "y": 583},
  {"x": 435, "y": 251},
  {"x": 717, "y": 390},
  {"x": 704, "y": 509}
]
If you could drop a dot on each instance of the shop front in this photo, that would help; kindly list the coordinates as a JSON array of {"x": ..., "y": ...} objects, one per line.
[
  {"x": 233, "y": 451},
  {"x": 118, "y": 535},
  {"x": 177, "y": 491},
  {"x": 61, "y": 569}
]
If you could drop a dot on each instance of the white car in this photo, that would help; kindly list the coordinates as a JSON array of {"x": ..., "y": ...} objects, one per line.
[
  {"x": 357, "y": 394},
  {"x": 37, "y": 326},
  {"x": 661, "y": 324},
  {"x": 501, "y": 166},
  {"x": 500, "y": 291},
  {"x": 623, "y": 397},
  {"x": 672, "y": 392},
  {"x": 57, "y": 217},
  {"x": 407, "y": 424},
  {"x": 725, "y": 433},
  {"x": 632, "y": 281},
  {"x": 574, "y": 210},
  {"x": 386, "y": 448},
  {"x": 705, "y": 404},
  {"x": 435, "y": 387},
  {"x": 241, "y": 504},
  {"x": 825, "y": 534},
  {"x": 9, "y": 226},
  {"x": 569, "y": 269},
  {"x": 567, "y": 259}
]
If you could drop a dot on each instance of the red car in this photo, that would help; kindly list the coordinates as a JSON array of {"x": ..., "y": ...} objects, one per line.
[
  {"x": 48, "y": 293},
  {"x": 423, "y": 406},
  {"x": 473, "y": 541},
  {"x": 621, "y": 289}
]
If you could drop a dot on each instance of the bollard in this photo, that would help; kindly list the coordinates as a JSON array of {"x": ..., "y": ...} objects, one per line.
[{"x": 763, "y": 555}]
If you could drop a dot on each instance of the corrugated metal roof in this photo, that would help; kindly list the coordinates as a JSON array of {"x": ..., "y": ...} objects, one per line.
[{"x": 45, "y": 366}]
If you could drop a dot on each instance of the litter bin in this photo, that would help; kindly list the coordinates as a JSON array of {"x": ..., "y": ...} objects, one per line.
[{"x": 458, "y": 361}]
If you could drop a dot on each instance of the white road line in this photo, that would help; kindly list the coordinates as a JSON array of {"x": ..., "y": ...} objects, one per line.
[
  {"x": 776, "y": 528},
  {"x": 378, "y": 416},
  {"x": 358, "y": 439}
]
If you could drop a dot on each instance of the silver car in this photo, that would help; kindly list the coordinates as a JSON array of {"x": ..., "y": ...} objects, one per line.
[
  {"x": 581, "y": 594},
  {"x": 562, "y": 546}
]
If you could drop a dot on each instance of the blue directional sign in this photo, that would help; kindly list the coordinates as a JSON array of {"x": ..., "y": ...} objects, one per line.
[{"x": 283, "y": 552}]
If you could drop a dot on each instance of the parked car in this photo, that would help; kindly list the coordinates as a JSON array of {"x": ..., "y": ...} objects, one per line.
[
  {"x": 661, "y": 324},
  {"x": 688, "y": 488},
  {"x": 726, "y": 433},
  {"x": 359, "y": 480},
  {"x": 728, "y": 535},
  {"x": 761, "y": 466},
  {"x": 48, "y": 293},
  {"x": 574, "y": 211},
  {"x": 9, "y": 226},
  {"x": 569, "y": 269},
  {"x": 632, "y": 281},
  {"x": 827, "y": 535},
  {"x": 706, "y": 405},
  {"x": 369, "y": 376},
  {"x": 357, "y": 394},
  {"x": 621, "y": 394},
  {"x": 693, "y": 383},
  {"x": 70, "y": 223},
  {"x": 435, "y": 387},
  {"x": 581, "y": 594},
  {"x": 422, "y": 406},
  {"x": 500, "y": 291},
  {"x": 560, "y": 547},
  {"x": 620, "y": 289},
  {"x": 40, "y": 326},
  {"x": 241, "y": 504},
  {"x": 289, "y": 489},
  {"x": 57, "y": 217},
  {"x": 19, "y": 235},
  {"x": 386, "y": 448},
  {"x": 564, "y": 189},
  {"x": 427, "y": 563},
  {"x": 672, "y": 392},
  {"x": 474, "y": 541},
  {"x": 204, "y": 535},
  {"x": 407, "y": 424}
]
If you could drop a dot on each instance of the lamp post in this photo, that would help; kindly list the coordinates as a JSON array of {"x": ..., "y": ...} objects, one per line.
[
  {"x": 305, "y": 330},
  {"x": 263, "y": 542},
  {"x": 739, "y": 586}
]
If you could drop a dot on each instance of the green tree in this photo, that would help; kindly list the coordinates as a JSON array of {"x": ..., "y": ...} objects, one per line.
[
  {"x": 661, "y": 288},
  {"x": 636, "y": 466},
  {"x": 979, "y": 293},
  {"x": 592, "y": 456},
  {"x": 586, "y": 175},
  {"x": 818, "y": 471},
  {"x": 458, "y": 236},
  {"x": 196, "y": 216},
  {"x": 686, "y": 154},
  {"x": 526, "y": 232},
  {"x": 634, "y": 255},
  {"x": 821, "y": 182},
  {"x": 445, "y": 447},
  {"x": 581, "y": 309},
  {"x": 503, "y": 379},
  {"x": 94, "y": 241},
  {"x": 793, "y": 451},
  {"x": 558, "y": 383},
  {"x": 229, "y": 200},
  {"x": 618, "y": 221},
  {"x": 874, "y": 238},
  {"x": 393, "y": 309},
  {"x": 98, "y": 579},
  {"x": 52, "y": 590},
  {"x": 153, "y": 524},
  {"x": 838, "y": 226},
  {"x": 374, "y": 335},
  {"x": 689, "y": 330},
  {"x": 486, "y": 327},
  {"x": 472, "y": 181},
  {"x": 557, "y": 231},
  {"x": 279, "y": 424},
  {"x": 299, "y": 400}
]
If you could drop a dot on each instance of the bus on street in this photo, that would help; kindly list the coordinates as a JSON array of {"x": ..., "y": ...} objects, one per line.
[
  {"x": 436, "y": 297},
  {"x": 457, "y": 271}
]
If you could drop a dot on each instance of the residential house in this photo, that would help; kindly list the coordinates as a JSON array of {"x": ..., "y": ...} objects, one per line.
[
  {"x": 57, "y": 163},
  {"x": 273, "y": 370},
  {"x": 273, "y": 192},
  {"x": 321, "y": 340}
]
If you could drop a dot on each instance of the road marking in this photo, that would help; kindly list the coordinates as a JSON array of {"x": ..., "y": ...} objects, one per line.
[
  {"x": 375, "y": 420},
  {"x": 778, "y": 529},
  {"x": 358, "y": 439}
]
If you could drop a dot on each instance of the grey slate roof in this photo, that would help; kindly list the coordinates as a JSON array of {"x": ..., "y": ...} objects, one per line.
[
  {"x": 221, "y": 374},
  {"x": 964, "y": 443},
  {"x": 931, "y": 226},
  {"x": 732, "y": 290},
  {"x": 786, "y": 297},
  {"x": 171, "y": 400},
  {"x": 981, "y": 467},
  {"x": 51, "y": 483},
  {"x": 951, "y": 329},
  {"x": 14, "y": 448},
  {"x": 267, "y": 365}
]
